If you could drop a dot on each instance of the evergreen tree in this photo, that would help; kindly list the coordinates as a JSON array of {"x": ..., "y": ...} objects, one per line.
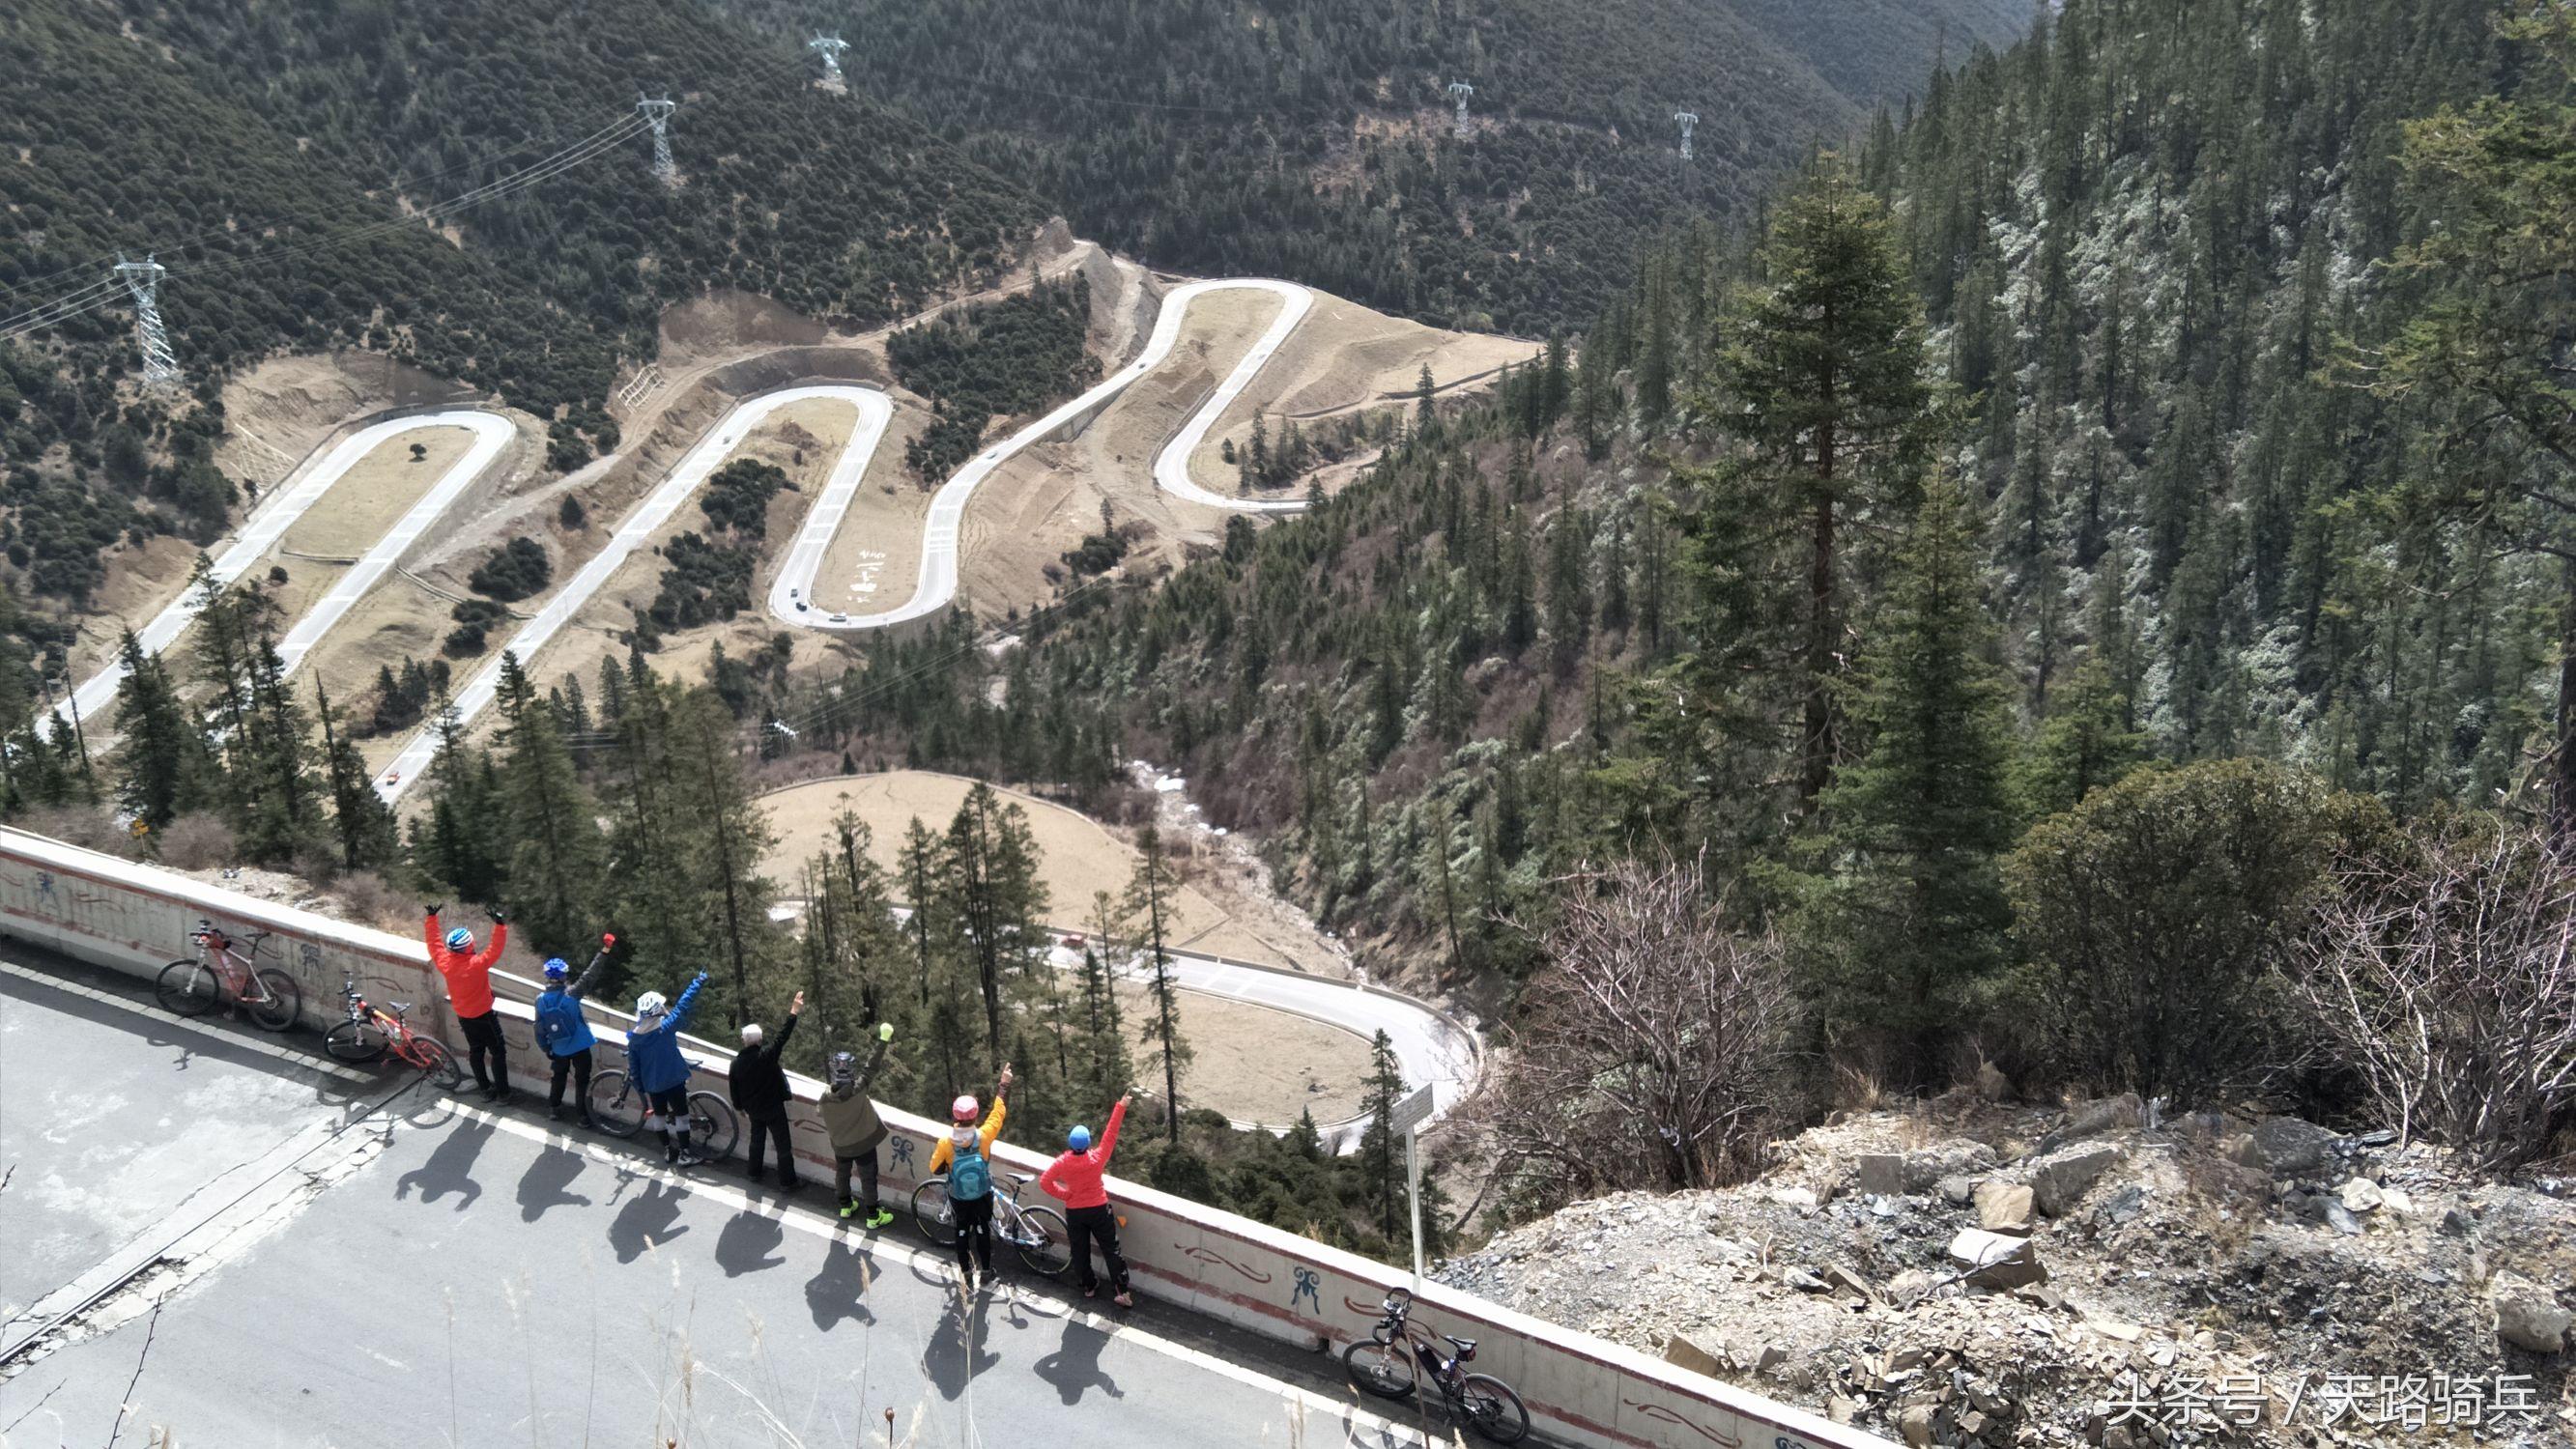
[
  {"x": 557, "y": 854},
  {"x": 1147, "y": 912},
  {"x": 2084, "y": 744},
  {"x": 1380, "y": 1156},
  {"x": 1824, "y": 382},
  {"x": 1908, "y": 918},
  {"x": 360, "y": 819},
  {"x": 164, "y": 766}
]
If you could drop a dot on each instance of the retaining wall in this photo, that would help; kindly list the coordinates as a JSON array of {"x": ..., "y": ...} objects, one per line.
[{"x": 1581, "y": 1390}]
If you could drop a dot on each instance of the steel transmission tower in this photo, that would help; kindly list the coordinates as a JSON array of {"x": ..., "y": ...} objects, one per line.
[
  {"x": 1459, "y": 91},
  {"x": 143, "y": 279},
  {"x": 658, "y": 111},
  {"x": 1685, "y": 120},
  {"x": 829, "y": 47}
]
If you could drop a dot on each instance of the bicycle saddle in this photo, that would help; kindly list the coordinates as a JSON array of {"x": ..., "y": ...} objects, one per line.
[
  {"x": 1016, "y": 1180},
  {"x": 398, "y": 1008},
  {"x": 1466, "y": 1346}
]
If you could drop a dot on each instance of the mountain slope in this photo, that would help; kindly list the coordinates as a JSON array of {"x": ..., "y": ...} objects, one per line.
[{"x": 1219, "y": 136}]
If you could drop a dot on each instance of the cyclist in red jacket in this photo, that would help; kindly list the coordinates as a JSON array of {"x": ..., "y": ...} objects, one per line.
[
  {"x": 469, "y": 991},
  {"x": 1076, "y": 1177}
]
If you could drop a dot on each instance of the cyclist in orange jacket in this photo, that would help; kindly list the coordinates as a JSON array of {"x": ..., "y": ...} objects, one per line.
[
  {"x": 469, "y": 991},
  {"x": 1076, "y": 1177}
]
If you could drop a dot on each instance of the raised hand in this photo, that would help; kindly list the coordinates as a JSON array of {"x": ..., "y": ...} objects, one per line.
[
  {"x": 797, "y": 1007},
  {"x": 497, "y": 915},
  {"x": 885, "y": 1031},
  {"x": 435, "y": 908}
]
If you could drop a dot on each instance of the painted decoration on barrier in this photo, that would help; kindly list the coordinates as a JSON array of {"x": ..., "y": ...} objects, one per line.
[
  {"x": 1307, "y": 1286},
  {"x": 1211, "y": 1255},
  {"x": 1663, "y": 1415}
]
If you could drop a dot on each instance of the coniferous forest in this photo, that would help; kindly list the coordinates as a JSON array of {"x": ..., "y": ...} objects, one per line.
[{"x": 2032, "y": 591}]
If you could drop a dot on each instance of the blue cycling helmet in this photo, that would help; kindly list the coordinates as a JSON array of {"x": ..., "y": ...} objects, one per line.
[
  {"x": 556, "y": 970},
  {"x": 1079, "y": 1139},
  {"x": 460, "y": 939}
]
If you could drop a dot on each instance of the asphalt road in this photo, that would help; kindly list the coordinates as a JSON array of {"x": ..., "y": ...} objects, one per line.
[{"x": 329, "y": 1261}]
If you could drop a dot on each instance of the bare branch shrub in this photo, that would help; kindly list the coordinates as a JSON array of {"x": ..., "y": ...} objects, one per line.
[
  {"x": 1651, "y": 1047},
  {"x": 198, "y": 842},
  {"x": 2448, "y": 979}
]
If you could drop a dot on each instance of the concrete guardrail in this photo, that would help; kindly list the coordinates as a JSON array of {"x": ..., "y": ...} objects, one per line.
[{"x": 1580, "y": 1390}]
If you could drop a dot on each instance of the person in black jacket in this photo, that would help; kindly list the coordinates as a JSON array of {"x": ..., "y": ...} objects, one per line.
[{"x": 760, "y": 1093}]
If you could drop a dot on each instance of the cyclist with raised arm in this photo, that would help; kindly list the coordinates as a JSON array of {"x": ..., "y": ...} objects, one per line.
[
  {"x": 659, "y": 1071},
  {"x": 1077, "y": 1177},
  {"x": 965, "y": 1154},
  {"x": 856, "y": 1129},
  {"x": 563, "y": 1032},
  {"x": 469, "y": 992},
  {"x": 760, "y": 1093}
]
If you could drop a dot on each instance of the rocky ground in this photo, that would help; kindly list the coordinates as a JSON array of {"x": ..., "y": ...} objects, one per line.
[{"x": 1983, "y": 1274}]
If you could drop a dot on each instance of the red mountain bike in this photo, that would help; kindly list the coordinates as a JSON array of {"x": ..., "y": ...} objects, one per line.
[
  {"x": 373, "y": 1030},
  {"x": 197, "y": 985}
]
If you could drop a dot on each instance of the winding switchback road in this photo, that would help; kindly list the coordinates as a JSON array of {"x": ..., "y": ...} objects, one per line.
[
  {"x": 636, "y": 529},
  {"x": 271, "y": 520},
  {"x": 935, "y": 585}
]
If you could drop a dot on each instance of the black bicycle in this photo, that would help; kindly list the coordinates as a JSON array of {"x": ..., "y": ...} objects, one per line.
[
  {"x": 1390, "y": 1363},
  {"x": 618, "y": 1106}
]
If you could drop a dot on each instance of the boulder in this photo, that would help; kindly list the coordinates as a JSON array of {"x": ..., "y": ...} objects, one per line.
[
  {"x": 2361, "y": 1195},
  {"x": 1698, "y": 1353},
  {"x": 2092, "y": 1119},
  {"x": 1883, "y": 1174},
  {"x": 2124, "y": 1206},
  {"x": 2287, "y": 1147},
  {"x": 1925, "y": 1167},
  {"x": 1958, "y": 1189},
  {"x": 2528, "y": 1315},
  {"x": 2004, "y": 1207},
  {"x": 1996, "y": 1260},
  {"x": 2060, "y": 1180},
  {"x": 1992, "y": 1084},
  {"x": 1914, "y": 1421}
]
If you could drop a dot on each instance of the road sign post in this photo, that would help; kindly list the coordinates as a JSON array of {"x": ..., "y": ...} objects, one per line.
[{"x": 1407, "y": 1118}]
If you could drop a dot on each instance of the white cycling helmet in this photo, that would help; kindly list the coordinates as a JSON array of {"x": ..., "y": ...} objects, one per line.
[{"x": 650, "y": 1004}]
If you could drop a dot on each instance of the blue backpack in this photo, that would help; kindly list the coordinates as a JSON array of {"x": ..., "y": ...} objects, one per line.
[{"x": 969, "y": 1177}]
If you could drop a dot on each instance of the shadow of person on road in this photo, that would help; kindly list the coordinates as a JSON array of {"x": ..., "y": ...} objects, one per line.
[
  {"x": 1075, "y": 1364},
  {"x": 749, "y": 1242},
  {"x": 838, "y": 1289},
  {"x": 647, "y": 1220},
  {"x": 956, "y": 1350},
  {"x": 542, "y": 1185},
  {"x": 450, "y": 1166}
]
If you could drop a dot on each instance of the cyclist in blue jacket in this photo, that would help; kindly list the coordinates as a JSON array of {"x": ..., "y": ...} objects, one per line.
[
  {"x": 563, "y": 1033},
  {"x": 653, "y": 1056}
]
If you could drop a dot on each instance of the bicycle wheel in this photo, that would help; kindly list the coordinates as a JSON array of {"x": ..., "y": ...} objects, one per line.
[
  {"x": 188, "y": 988},
  {"x": 615, "y": 1104},
  {"x": 932, "y": 1214},
  {"x": 1491, "y": 1409},
  {"x": 1383, "y": 1369},
  {"x": 712, "y": 1126},
  {"x": 1045, "y": 1243},
  {"x": 282, "y": 1001},
  {"x": 354, "y": 1041},
  {"x": 437, "y": 1062}
]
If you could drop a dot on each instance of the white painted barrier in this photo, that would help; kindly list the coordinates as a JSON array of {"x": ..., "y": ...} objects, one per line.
[{"x": 1580, "y": 1390}]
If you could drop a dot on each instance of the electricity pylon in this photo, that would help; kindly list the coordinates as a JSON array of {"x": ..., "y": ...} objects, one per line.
[
  {"x": 1459, "y": 91},
  {"x": 829, "y": 47},
  {"x": 658, "y": 111},
  {"x": 143, "y": 279},
  {"x": 1685, "y": 120}
]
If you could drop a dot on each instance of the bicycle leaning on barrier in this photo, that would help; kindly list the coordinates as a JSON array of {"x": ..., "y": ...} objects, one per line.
[
  {"x": 370, "y": 1031},
  {"x": 195, "y": 985},
  {"x": 1391, "y": 1360},
  {"x": 1040, "y": 1233}
]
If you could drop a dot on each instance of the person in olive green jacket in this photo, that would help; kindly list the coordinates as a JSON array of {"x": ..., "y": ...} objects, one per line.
[{"x": 851, "y": 1119}]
